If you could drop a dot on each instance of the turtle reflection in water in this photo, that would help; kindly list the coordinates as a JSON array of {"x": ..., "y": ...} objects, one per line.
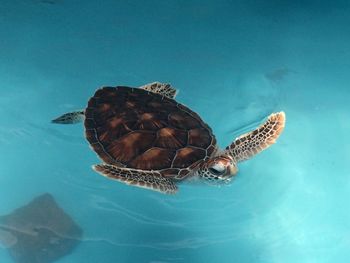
[{"x": 147, "y": 139}]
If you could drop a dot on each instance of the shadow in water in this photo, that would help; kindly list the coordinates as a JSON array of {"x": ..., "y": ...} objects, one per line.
[{"x": 39, "y": 232}]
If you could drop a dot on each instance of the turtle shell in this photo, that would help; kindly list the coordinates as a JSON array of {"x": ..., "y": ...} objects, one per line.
[{"x": 134, "y": 128}]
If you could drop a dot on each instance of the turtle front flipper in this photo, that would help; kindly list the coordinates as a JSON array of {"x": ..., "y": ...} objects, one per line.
[
  {"x": 70, "y": 117},
  {"x": 152, "y": 180},
  {"x": 251, "y": 143},
  {"x": 161, "y": 88}
]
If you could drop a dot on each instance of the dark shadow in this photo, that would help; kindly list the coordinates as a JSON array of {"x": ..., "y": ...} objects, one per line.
[{"x": 39, "y": 232}]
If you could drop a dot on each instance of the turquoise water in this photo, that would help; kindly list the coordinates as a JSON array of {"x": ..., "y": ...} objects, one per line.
[{"x": 234, "y": 63}]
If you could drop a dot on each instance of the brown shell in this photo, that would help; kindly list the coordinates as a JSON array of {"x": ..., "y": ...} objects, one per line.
[{"x": 138, "y": 129}]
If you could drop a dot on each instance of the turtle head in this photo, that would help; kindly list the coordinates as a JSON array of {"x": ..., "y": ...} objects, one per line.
[{"x": 219, "y": 169}]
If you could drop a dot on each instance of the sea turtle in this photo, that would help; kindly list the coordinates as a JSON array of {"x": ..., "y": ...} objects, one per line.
[{"x": 147, "y": 139}]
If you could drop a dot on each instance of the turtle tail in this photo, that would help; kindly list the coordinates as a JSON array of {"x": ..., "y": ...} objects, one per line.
[{"x": 70, "y": 117}]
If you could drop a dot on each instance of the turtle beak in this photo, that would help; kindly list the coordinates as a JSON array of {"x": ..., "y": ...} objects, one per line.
[
  {"x": 233, "y": 170},
  {"x": 230, "y": 173}
]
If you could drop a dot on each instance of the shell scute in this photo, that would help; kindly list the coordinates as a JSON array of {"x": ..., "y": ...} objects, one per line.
[
  {"x": 131, "y": 145},
  {"x": 154, "y": 159},
  {"x": 171, "y": 138},
  {"x": 187, "y": 156},
  {"x": 150, "y": 121},
  {"x": 183, "y": 120},
  {"x": 199, "y": 138}
]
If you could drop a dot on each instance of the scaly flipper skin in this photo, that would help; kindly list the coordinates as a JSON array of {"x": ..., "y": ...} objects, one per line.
[
  {"x": 146, "y": 179},
  {"x": 161, "y": 88},
  {"x": 70, "y": 117},
  {"x": 252, "y": 143}
]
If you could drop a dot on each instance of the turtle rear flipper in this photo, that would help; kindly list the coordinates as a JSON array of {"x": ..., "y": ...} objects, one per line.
[
  {"x": 70, "y": 117},
  {"x": 152, "y": 180},
  {"x": 161, "y": 88},
  {"x": 252, "y": 143}
]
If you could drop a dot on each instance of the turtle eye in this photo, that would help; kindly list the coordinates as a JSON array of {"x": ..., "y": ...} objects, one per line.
[{"x": 217, "y": 169}]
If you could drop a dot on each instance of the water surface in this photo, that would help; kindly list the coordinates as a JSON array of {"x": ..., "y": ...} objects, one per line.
[{"x": 234, "y": 63}]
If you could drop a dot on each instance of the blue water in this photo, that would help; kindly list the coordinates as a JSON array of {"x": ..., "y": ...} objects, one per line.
[{"x": 234, "y": 63}]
